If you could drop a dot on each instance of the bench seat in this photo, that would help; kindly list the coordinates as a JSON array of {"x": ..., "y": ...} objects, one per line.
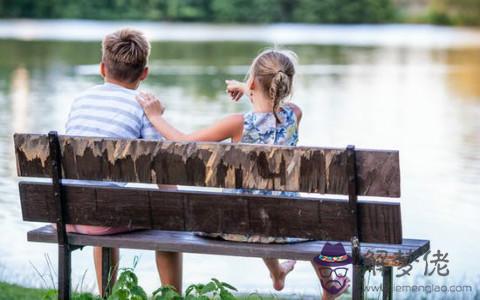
[{"x": 176, "y": 241}]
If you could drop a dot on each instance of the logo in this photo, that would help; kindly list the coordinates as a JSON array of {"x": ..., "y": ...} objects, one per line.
[{"x": 330, "y": 265}]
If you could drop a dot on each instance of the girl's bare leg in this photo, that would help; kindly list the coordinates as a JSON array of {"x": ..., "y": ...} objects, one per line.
[
  {"x": 278, "y": 271},
  {"x": 169, "y": 266},
  {"x": 97, "y": 259}
]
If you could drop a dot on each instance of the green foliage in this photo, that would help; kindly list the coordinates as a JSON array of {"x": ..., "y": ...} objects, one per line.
[
  {"x": 343, "y": 11},
  {"x": 13, "y": 291},
  {"x": 53, "y": 295},
  {"x": 166, "y": 293},
  {"x": 127, "y": 288},
  {"x": 458, "y": 12},
  {"x": 248, "y": 11},
  {"x": 262, "y": 11},
  {"x": 462, "y": 12},
  {"x": 215, "y": 289},
  {"x": 439, "y": 18}
]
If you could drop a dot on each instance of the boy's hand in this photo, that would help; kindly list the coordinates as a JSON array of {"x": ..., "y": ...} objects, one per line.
[
  {"x": 235, "y": 89},
  {"x": 150, "y": 104}
]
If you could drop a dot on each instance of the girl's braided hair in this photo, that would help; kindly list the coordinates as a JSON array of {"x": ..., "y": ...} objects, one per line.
[{"x": 274, "y": 70}]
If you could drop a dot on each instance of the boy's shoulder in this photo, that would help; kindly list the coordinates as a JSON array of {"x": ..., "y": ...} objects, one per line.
[
  {"x": 110, "y": 92},
  {"x": 90, "y": 90},
  {"x": 107, "y": 97},
  {"x": 114, "y": 88}
]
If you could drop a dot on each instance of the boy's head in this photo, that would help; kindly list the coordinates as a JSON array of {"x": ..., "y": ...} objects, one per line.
[{"x": 124, "y": 56}]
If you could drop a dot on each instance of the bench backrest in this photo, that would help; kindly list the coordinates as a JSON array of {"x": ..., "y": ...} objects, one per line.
[{"x": 261, "y": 167}]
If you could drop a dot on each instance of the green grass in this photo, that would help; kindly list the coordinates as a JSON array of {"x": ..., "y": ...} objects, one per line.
[
  {"x": 13, "y": 291},
  {"x": 10, "y": 291}
]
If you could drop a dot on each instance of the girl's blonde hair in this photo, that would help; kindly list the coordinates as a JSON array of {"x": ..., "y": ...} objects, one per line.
[{"x": 274, "y": 71}]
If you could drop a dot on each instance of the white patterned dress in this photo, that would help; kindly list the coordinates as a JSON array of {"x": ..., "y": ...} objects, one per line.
[{"x": 262, "y": 128}]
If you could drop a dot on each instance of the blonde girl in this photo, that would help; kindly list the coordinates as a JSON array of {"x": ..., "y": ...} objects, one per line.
[{"x": 272, "y": 121}]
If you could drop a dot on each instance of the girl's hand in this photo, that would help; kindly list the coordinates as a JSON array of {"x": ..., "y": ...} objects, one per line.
[
  {"x": 150, "y": 104},
  {"x": 235, "y": 89}
]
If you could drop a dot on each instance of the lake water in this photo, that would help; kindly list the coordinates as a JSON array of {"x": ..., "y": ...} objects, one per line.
[{"x": 411, "y": 88}]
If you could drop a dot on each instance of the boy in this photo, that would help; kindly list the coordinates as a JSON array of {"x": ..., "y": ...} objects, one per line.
[{"x": 110, "y": 110}]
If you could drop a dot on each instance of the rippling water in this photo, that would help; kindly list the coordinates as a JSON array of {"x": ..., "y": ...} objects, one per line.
[{"x": 424, "y": 101}]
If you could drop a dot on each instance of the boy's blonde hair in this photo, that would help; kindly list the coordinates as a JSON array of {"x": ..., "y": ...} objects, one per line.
[
  {"x": 125, "y": 54},
  {"x": 274, "y": 71}
]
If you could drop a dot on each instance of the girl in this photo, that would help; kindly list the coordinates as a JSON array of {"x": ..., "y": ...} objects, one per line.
[{"x": 271, "y": 121}]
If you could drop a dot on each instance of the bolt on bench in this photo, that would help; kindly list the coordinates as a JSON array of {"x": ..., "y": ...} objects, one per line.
[{"x": 370, "y": 231}]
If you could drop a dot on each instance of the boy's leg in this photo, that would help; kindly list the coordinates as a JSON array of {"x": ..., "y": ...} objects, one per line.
[
  {"x": 97, "y": 258},
  {"x": 278, "y": 271},
  {"x": 169, "y": 266}
]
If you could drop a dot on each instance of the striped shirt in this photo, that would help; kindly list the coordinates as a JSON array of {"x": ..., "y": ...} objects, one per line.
[{"x": 109, "y": 110}]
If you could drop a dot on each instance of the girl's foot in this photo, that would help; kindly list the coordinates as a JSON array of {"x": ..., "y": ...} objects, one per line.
[
  {"x": 279, "y": 280},
  {"x": 344, "y": 281}
]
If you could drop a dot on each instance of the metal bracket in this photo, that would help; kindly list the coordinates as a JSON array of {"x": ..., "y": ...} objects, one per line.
[
  {"x": 351, "y": 171},
  {"x": 358, "y": 268},
  {"x": 56, "y": 170}
]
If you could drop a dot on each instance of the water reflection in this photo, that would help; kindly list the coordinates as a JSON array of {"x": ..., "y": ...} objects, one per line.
[
  {"x": 19, "y": 95},
  {"x": 465, "y": 81},
  {"x": 425, "y": 102}
]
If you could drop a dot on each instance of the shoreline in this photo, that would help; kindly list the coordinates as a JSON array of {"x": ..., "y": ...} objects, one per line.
[{"x": 359, "y": 35}]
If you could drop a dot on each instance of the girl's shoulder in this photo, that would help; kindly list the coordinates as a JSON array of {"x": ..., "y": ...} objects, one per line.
[{"x": 296, "y": 110}]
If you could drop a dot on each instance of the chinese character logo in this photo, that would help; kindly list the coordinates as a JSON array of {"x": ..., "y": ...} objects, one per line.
[{"x": 332, "y": 260}]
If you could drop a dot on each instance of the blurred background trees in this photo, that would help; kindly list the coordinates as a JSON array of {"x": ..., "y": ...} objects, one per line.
[
  {"x": 462, "y": 12},
  {"x": 459, "y": 12}
]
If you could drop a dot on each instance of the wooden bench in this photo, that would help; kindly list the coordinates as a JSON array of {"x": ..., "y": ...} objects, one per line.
[{"x": 370, "y": 231}]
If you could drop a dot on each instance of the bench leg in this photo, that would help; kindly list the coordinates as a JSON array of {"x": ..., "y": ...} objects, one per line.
[
  {"x": 387, "y": 274},
  {"x": 107, "y": 271},
  {"x": 358, "y": 282},
  {"x": 64, "y": 272}
]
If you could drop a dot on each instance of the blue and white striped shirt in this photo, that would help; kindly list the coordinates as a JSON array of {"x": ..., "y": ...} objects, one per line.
[{"x": 109, "y": 110}]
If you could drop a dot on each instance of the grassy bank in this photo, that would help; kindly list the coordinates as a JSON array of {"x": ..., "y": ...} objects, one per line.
[
  {"x": 10, "y": 291},
  {"x": 13, "y": 291}
]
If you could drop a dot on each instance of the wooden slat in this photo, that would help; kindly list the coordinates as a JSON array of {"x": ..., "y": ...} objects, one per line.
[
  {"x": 304, "y": 169},
  {"x": 379, "y": 254},
  {"x": 316, "y": 218}
]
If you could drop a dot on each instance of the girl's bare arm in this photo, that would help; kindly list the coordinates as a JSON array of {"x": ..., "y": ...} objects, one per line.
[{"x": 228, "y": 127}]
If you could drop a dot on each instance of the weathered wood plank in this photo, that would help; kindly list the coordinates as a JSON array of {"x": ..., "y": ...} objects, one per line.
[
  {"x": 304, "y": 169},
  {"x": 174, "y": 241},
  {"x": 316, "y": 218}
]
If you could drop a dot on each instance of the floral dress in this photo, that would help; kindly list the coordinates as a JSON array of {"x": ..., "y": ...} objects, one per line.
[{"x": 262, "y": 128}]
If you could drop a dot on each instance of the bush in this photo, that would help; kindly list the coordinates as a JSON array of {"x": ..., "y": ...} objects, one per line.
[
  {"x": 127, "y": 288},
  {"x": 256, "y": 11}
]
